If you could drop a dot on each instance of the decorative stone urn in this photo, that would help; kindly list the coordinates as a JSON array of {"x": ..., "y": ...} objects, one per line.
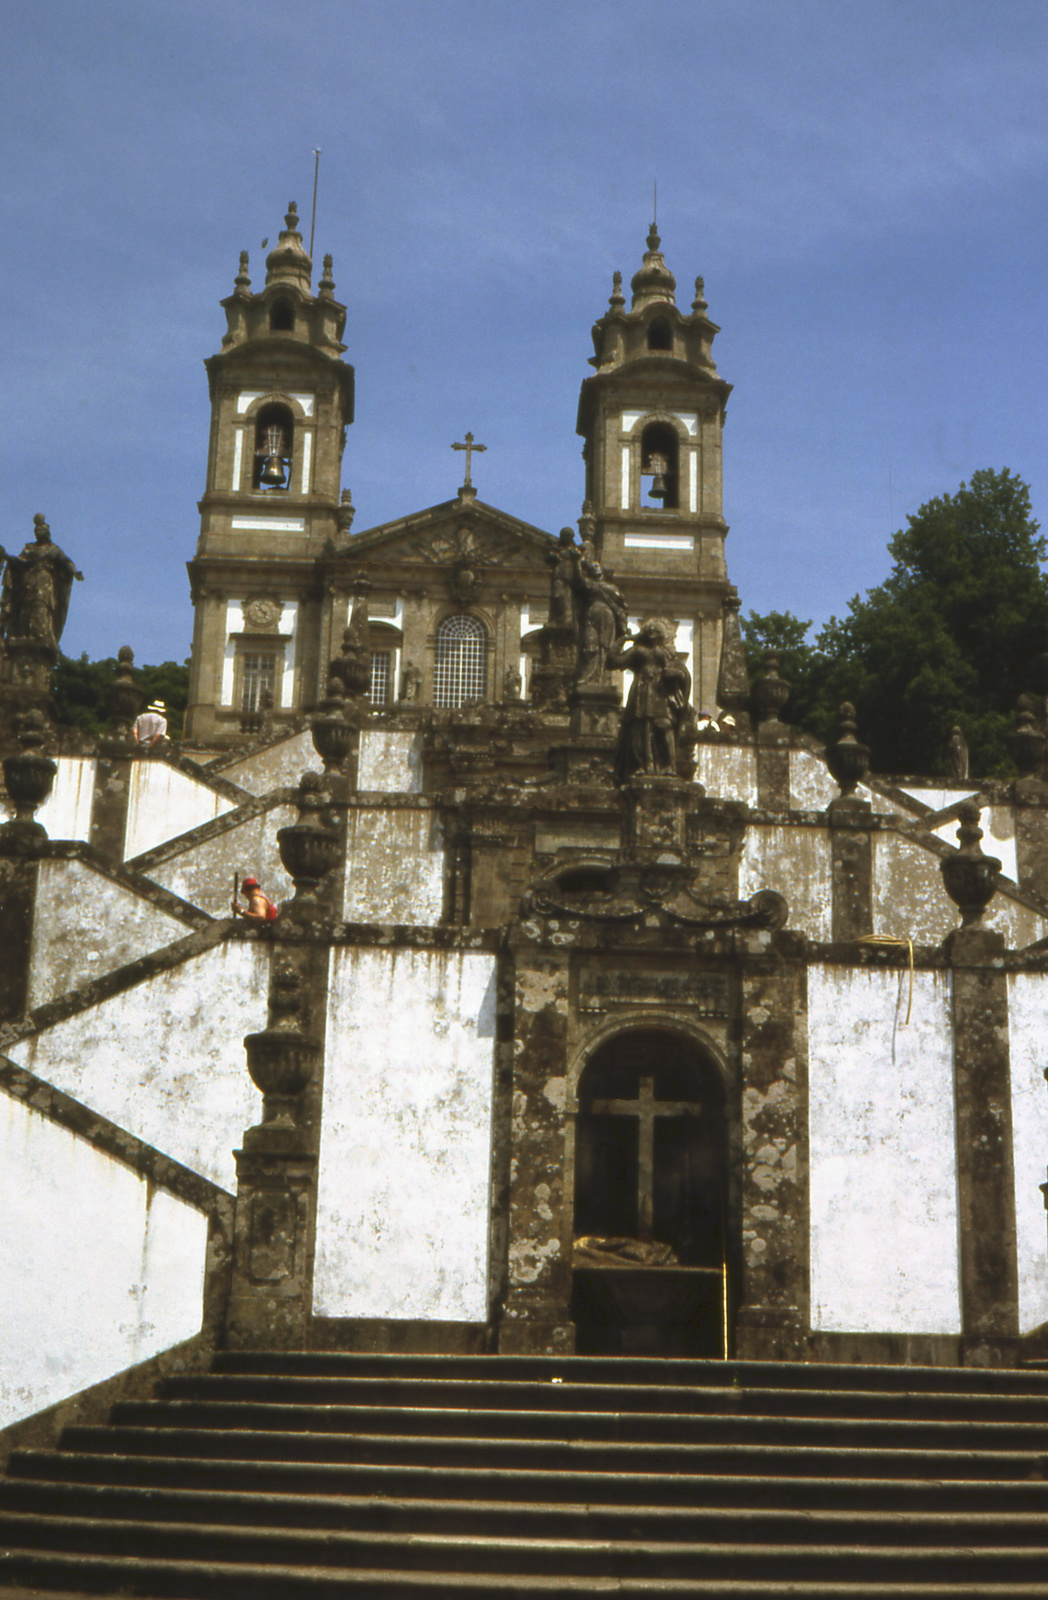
[
  {"x": 123, "y": 698},
  {"x": 309, "y": 849},
  {"x": 28, "y": 777},
  {"x": 970, "y": 878},
  {"x": 333, "y": 737},
  {"x": 847, "y": 759},
  {"x": 1027, "y": 741},
  {"x": 770, "y": 693},
  {"x": 281, "y": 1062}
]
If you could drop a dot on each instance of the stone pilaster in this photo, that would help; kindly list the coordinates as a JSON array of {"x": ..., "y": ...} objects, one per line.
[
  {"x": 536, "y": 1313},
  {"x": 109, "y": 804},
  {"x": 773, "y": 766},
  {"x": 985, "y": 1177},
  {"x": 18, "y": 877},
  {"x": 1030, "y": 801},
  {"x": 851, "y": 853},
  {"x": 773, "y": 1314}
]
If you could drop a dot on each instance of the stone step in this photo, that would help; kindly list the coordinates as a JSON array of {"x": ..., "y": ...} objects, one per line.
[
  {"x": 528, "y": 1519},
  {"x": 649, "y": 1427},
  {"x": 188, "y": 1580},
  {"x": 498, "y": 1484},
  {"x": 491, "y": 1394},
  {"x": 759, "y": 1459},
  {"x": 652, "y": 1370},
  {"x": 228, "y": 1547}
]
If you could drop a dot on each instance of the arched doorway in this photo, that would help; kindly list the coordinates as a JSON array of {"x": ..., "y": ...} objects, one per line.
[{"x": 651, "y": 1255}]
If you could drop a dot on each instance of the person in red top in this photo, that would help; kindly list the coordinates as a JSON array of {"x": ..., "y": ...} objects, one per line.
[{"x": 259, "y": 907}]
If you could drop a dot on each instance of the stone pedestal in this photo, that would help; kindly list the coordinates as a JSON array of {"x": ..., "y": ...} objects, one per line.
[
  {"x": 27, "y": 683},
  {"x": 656, "y": 814},
  {"x": 552, "y": 674},
  {"x": 270, "y": 1299},
  {"x": 593, "y": 730}
]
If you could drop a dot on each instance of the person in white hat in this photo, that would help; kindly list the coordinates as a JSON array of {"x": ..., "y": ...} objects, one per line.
[{"x": 150, "y": 729}]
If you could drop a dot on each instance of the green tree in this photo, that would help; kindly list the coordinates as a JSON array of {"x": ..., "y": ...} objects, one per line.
[
  {"x": 949, "y": 636},
  {"x": 80, "y": 685}
]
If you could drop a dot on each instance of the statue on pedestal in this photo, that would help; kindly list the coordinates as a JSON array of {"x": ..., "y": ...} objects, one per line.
[
  {"x": 603, "y": 621},
  {"x": 34, "y": 596},
  {"x": 658, "y": 709}
]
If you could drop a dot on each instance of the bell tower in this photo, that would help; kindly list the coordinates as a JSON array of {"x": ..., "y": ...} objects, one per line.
[
  {"x": 281, "y": 400},
  {"x": 652, "y": 417}
]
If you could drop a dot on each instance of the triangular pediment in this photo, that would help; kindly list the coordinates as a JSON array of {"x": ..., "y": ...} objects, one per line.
[{"x": 454, "y": 534}]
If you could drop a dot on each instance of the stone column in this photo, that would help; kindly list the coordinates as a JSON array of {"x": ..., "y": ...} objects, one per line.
[
  {"x": 851, "y": 851},
  {"x": 773, "y": 766},
  {"x": 985, "y": 1175},
  {"x": 773, "y": 1315},
  {"x": 536, "y": 1313}
]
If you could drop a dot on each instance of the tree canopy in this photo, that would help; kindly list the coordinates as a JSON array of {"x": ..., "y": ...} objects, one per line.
[
  {"x": 80, "y": 685},
  {"x": 949, "y": 637}
]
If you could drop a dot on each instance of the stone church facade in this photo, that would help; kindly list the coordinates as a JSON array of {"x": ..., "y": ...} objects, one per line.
[{"x": 647, "y": 1028}]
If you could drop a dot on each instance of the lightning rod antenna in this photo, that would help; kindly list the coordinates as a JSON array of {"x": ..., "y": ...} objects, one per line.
[
  {"x": 655, "y": 204},
  {"x": 313, "y": 223}
]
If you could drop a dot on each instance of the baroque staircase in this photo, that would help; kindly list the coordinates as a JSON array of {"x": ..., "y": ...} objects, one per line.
[{"x": 297, "y": 1477}]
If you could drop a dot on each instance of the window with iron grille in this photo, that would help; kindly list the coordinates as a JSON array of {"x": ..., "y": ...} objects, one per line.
[
  {"x": 381, "y": 661},
  {"x": 258, "y": 673},
  {"x": 461, "y": 667}
]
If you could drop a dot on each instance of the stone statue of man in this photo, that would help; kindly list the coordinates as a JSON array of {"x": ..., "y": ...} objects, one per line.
[{"x": 34, "y": 596}]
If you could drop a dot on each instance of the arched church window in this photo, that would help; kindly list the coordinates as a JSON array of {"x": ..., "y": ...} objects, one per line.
[
  {"x": 461, "y": 667},
  {"x": 274, "y": 447},
  {"x": 282, "y": 316},
  {"x": 660, "y": 335},
  {"x": 660, "y": 462}
]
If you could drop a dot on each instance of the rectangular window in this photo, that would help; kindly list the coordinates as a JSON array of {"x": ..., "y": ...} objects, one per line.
[
  {"x": 381, "y": 674},
  {"x": 258, "y": 677}
]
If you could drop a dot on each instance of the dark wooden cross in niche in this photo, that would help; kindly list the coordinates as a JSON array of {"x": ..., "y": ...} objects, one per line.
[
  {"x": 471, "y": 449},
  {"x": 646, "y": 1108}
]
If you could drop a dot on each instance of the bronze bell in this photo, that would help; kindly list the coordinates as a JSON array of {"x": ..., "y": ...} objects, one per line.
[
  {"x": 273, "y": 473},
  {"x": 659, "y": 486}
]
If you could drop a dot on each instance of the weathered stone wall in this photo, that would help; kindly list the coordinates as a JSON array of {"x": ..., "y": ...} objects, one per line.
[
  {"x": 884, "y": 1220},
  {"x": 909, "y": 901},
  {"x": 1028, "y": 1039},
  {"x": 795, "y": 861},
  {"x": 276, "y": 766},
  {"x": 390, "y": 761},
  {"x": 202, "y": 871},
  {"x": 728, "y": 770},
  {"x": 100, "y": 1268},
  {"x": 164, "y": 802},
  {"x": 405, "y": 1156},
  {"x": 164, "y": 1058},
  {"x": 66, "y": 813},
  {"x": 394, "y": 865},
  {"x": 85, "y": 924}
]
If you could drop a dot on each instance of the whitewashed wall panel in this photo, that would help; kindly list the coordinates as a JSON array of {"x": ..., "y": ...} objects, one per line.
[
  {"x": 165, "y": 1059},
  {"x": 100, "y": 1269},
  {"x": 884, "y": 1256},
  {"x": 402, "y": 1228},
  {"x": 163, "y": 802},
  {"x": 1028, "y": 1034}
]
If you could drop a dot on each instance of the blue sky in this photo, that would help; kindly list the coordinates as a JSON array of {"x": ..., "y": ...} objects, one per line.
[{"x": 861, "y": 182}]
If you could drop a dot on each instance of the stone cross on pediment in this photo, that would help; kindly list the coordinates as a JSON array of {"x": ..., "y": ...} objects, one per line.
[{"x": 645, "y": 1109}]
